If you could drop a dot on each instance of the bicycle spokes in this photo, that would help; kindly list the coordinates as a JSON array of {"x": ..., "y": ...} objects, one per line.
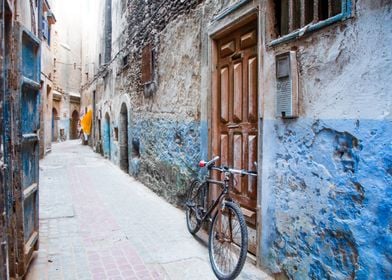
[{"x": 226, "y": 242}]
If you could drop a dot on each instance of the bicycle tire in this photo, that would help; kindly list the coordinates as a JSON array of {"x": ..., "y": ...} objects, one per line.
[
  {"x": 243, "y": 246},
  {"x": 194, "y": 197}
]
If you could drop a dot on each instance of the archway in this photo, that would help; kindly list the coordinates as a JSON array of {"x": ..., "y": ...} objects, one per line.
[
  {"x": 106, "y": 136},
  {"x": 123, "y": 139},
  {"x": 73, "y": 133},
  {"x": 55, "y": 129}
]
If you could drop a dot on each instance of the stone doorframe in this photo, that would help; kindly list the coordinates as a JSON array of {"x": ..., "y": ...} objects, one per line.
[{"x": 222, "y": 24}]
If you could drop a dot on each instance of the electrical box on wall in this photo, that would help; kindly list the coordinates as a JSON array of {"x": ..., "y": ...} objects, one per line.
[{"x": 287, "y": 85}]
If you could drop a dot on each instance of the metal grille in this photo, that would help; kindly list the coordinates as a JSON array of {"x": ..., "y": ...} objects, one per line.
[{"x": 294, "y": 14}]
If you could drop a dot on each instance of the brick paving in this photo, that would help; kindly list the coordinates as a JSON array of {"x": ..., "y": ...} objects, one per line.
[{"x": 96, "y": 222}]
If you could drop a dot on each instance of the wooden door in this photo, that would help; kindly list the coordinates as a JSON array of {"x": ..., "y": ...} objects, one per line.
[
  {"x": 235, "y": 113},
  {"x": 27, "y": 157}
]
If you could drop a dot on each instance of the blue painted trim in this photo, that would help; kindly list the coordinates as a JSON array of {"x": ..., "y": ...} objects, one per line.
[
  {"x": 30, "y": 137},
  {"x": 230, "y": 10},
  {"x": 345, "y": 14},
  {"x": 34, "y": 39},
  {"x": 30, "y": 83}
]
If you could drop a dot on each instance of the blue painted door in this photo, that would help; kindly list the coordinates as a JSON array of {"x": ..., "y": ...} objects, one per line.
[
  {"x": 106, "y": 137},
  {"x": 26, "y": 179}
]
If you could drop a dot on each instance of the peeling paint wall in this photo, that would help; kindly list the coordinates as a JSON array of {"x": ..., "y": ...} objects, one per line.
[{"x": 327, "y": 182}]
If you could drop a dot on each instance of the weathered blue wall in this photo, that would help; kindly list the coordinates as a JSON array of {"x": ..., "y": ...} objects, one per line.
[
  {"x": 330, "y": 209},
  {"x": 169, "y": 153}
]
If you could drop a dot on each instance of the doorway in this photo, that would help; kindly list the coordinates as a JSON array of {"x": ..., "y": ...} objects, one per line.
[
  {"x": 73, "y": 133},
  {"x": 106, "y": 137},
  {"x": 234, "y": 113},
  {"x": 123, "y": 141},
  {"x": 54, "y": 125}
]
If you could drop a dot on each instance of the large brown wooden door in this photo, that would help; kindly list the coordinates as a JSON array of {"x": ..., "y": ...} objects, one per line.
[{"x": 235, "y": 113}]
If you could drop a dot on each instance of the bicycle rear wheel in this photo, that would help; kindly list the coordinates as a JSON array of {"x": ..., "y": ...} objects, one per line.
[
  {"x": 195, "y": 204},
  {"x": 228, "y": 242}
]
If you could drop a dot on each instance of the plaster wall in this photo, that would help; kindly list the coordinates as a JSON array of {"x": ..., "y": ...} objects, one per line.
[
  {"x": 326, "y": 176},
  {"x": 46, "y": 115},
  {"x": 46, "y": 98}
]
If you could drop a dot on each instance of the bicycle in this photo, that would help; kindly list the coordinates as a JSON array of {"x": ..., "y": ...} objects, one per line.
[{"x": 228, "y": 235}]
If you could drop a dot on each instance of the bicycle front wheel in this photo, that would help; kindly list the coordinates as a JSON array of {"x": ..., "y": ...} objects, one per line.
[{"x": 228, "y": 242}]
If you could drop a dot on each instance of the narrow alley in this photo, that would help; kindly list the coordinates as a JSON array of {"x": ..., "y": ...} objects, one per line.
[
  {"x": 97, "y": 222},
  {"x": 274, "y": 116}
]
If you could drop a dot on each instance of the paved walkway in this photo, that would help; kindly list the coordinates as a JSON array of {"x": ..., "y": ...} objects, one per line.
[{"x": 96, "y": 222}]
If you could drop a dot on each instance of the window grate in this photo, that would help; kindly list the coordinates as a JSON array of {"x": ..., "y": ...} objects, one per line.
[{"x": 295, "y": 18}]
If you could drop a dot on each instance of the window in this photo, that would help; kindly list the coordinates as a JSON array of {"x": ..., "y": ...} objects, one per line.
[
  {"x": 49, "y": 31},
  {"x": 294, "y": 18},
  {"x": 45, "y": 28}
]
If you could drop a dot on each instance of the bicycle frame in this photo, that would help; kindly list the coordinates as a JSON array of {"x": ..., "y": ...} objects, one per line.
[{"x": 223, "y": 195}]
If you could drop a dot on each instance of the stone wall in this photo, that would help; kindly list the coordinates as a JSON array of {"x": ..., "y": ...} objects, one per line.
[
  {"x": 166, "y": 125},
  {"x": 160, "y": 120}
]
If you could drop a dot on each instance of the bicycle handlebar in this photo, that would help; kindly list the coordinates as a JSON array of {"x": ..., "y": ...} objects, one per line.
[
  {"x": 210, "y": 165},
  {"x": 242, "y": 172}
]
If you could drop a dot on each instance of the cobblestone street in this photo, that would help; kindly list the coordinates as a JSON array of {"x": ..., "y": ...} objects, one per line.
[{"x": 96, "y": 222}]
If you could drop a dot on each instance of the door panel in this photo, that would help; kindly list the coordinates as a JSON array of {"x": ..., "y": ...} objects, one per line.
[
  {"x": 238, "y": 97},
  {"x": 27, "y": 172},
  {"x": 252, "y": 89},
  {"x": 225, "y": 94},
  {"x": 235, "y": 113}
]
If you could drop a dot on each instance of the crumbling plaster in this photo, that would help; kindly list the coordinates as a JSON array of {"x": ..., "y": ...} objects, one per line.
[{"x": 326, "y": 179}]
